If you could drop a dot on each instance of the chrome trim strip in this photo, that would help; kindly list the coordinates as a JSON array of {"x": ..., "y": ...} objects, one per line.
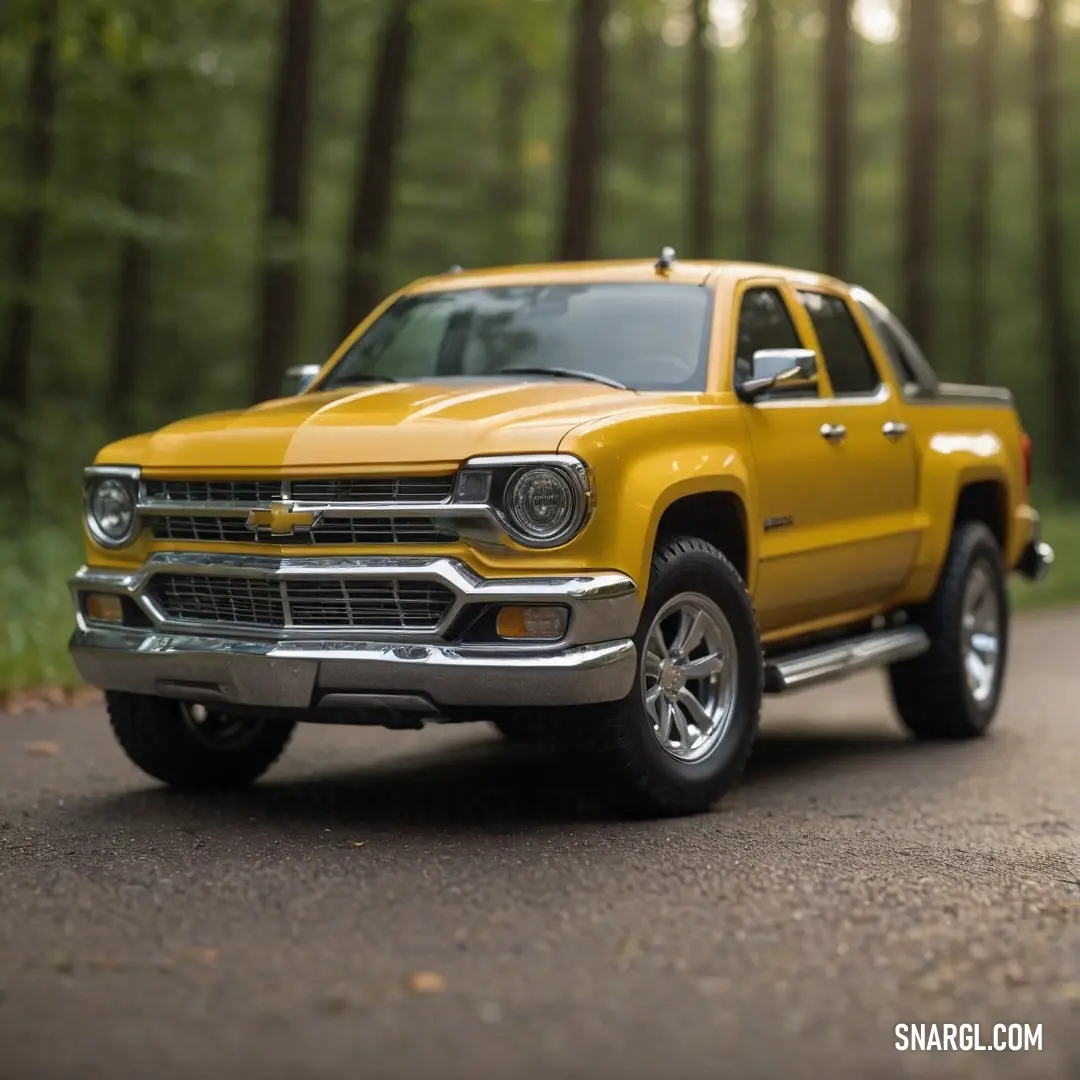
[
  {"x": 279, "y": 674},
  {"x": 602, "y": 605}
]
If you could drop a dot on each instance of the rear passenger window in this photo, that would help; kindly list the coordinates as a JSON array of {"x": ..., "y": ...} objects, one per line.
[
  {"x": 848, "y": 361},
  {"x": 893, "y": 349},
  {"x": 764, "y": 323}
]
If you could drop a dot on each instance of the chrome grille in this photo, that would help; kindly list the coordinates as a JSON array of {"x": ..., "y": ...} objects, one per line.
[
  {"x": 237, "y": 492},
  {"x": 356, "y": 603},
  {"x": 358, "y": 489},
  {"x": 330, "y": 530},
  {"x": 373, "y": 489}
]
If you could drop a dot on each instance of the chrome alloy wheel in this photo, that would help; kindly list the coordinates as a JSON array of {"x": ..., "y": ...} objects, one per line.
[
  {"x": 218, "y": 732},
  {"x": 689, "y": 675},
  {"x": 980, "y": 628}
]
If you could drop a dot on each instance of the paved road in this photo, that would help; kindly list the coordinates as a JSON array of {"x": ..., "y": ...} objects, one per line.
[{"x": 854, "y": 882}]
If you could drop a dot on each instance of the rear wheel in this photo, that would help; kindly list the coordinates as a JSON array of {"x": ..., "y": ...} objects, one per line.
[
  {"x": 190, "y": 747},
  {"x": 953, "y": 691},
  {"x": 678, "y": 741}
]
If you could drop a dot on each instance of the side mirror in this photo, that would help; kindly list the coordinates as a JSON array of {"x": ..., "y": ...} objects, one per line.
[
  {"x": 297, "y": 379},
  {"x": 779, "y": 369}
]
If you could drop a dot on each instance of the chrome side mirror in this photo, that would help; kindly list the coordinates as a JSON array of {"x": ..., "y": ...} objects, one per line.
[
  {"x": 298, "y": 379},
  {"x": 779, "y": 369}
]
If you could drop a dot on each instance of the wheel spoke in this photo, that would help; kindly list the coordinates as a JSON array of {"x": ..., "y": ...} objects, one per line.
[
  {"x": 651, "y": 698},
  {"x": 691, "y": 631},
  {"x": 680, "y": 723},
  {"x": 703, "y": 667},
  {"x": 978, "y": 672},
  {"x": 984, "y": 644},
  {"x": 664, "y": 731},
  {"x": 657, "y": 644},
  {"x": 696, "y": 710},
  {"x": 653, "y": 664}
]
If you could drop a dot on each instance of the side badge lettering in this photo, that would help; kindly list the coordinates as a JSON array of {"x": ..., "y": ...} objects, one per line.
[{"x": 778, "y": 523}]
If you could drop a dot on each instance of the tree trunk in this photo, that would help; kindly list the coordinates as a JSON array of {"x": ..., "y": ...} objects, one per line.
[
  {"x": 700, "y": 111},
  {"x": 921, "y": 166},
  {"x": 509, "y": 192},
  {"x": 39, "y": 107},
  {"x": 836, "y": 134},
  {"x": 381, "y": 136},
  {"x": 279, "y": 291},
  {"x": 1062, "y": 376},
  {"x": 762, "y": 135},
  {"x": 133, "y": 272},
  {"x": 583, "y": 152},
  {"x": 984, "y": 95}
]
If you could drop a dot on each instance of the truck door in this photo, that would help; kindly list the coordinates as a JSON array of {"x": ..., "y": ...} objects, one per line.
[
  {"x": 805, "y": 506},
  {"x": 874, "y": 455}
]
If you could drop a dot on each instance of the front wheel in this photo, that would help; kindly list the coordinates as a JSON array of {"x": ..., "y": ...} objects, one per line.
[
  {"x": 678, "y": 741},
  {"x": 953, "y": 691},
  {"x": 193, "y": 748}
]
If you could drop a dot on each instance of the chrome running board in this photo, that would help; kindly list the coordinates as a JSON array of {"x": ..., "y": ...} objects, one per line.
[{"x": 839, "y": 659}]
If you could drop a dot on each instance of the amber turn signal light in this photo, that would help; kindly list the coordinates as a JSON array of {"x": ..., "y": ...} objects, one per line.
[
  {"x": 104, "y": 607},
  {"x": 535, "y": 623}
]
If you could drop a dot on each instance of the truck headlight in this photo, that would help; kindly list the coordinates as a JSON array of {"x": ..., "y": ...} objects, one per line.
[
  {"x": 541, "y": 500},
  {"x": 111, "y": 503},
  {"x": 540, "y": 503}
]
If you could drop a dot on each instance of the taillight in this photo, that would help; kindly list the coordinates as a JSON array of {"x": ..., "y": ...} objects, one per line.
[{"x": 1025, "y": 449}]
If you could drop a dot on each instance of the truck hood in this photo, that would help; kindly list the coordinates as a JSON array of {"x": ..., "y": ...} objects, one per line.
[{"x": 393, "y": 423}]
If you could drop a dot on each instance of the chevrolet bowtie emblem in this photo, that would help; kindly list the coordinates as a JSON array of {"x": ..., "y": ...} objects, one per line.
[{"x": 281, "y": 519}]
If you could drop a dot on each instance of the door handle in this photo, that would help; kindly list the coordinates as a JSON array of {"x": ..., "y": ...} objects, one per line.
[
  {"x": 894, "y": 430},
  {"x": 833, "y": 432}
]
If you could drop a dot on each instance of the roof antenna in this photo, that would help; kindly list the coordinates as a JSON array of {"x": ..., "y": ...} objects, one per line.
[{"x": 666, "y": 260}]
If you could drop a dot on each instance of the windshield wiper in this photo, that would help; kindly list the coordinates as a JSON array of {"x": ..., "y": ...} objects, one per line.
[{"x": 563, "y": 373}]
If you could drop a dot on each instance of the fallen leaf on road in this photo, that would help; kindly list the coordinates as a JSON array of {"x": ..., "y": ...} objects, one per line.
[
  {"x": 41, "y": 749},
  {"x": 427, "y": 982},
  {"x": 208, "y": 957},
  {"x": 359, "y": 843}
]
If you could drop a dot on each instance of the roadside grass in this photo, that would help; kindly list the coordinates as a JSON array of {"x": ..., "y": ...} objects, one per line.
[
  {"x": 35, "y": 608},
  {"x": 36, "y": 616}
]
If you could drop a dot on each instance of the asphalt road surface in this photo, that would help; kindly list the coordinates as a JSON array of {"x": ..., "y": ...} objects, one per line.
[{"x": 439, "y": 904}]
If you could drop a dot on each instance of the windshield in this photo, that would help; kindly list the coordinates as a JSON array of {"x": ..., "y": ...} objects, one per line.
[{"x": 649, "y": 336}]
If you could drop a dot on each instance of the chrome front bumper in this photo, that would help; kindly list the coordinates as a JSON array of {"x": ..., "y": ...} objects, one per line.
[{"x": 349, "y": 671}]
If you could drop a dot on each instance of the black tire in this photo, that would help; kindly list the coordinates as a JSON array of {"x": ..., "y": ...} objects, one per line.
[
  {"x": 161, "y": 738},
  {"x": 931, "y": 692},
  {"x": 645, "y": 775}
]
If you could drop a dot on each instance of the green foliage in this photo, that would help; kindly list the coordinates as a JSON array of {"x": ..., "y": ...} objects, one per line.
[{"x": 35, "y": 609}]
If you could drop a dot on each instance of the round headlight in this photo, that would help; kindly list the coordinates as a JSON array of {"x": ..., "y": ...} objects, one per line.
[
  {"x": 542, "y": 504},
  {"x": 111, "y": 510}
]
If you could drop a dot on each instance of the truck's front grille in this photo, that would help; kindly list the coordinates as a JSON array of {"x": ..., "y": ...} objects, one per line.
[
  {"x": 273, "y": 604},
  {"x": 329, "y": 530},
  {"x": 357, "y": 489}
]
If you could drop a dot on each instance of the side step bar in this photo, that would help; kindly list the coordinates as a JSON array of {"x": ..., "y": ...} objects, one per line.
[{"x": 837, "y": 660}]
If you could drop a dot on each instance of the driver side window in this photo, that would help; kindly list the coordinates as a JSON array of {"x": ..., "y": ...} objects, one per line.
[{"x": 764, "y": 323}]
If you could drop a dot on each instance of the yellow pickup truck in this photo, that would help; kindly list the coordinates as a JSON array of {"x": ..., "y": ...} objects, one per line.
[{"x": 607, "y": 505}]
